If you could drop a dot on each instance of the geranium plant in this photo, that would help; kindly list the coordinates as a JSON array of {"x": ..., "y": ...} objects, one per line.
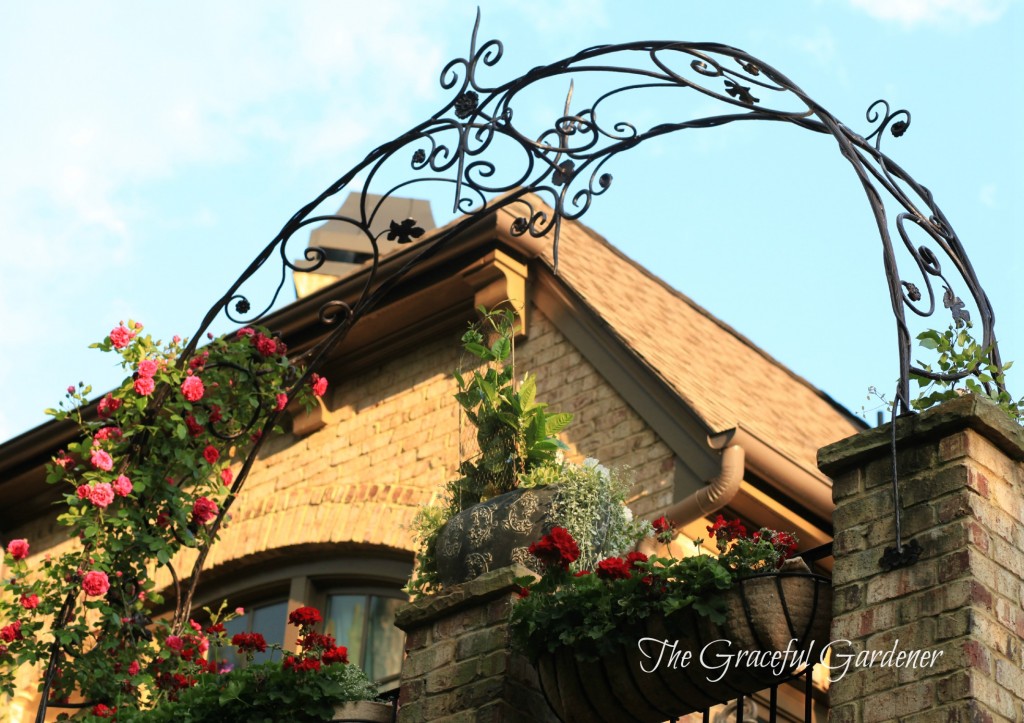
[
  {"x": 303, "y": 686},
  {"x": 158, "y": 463},
  {"x": 595, "y": 609}
]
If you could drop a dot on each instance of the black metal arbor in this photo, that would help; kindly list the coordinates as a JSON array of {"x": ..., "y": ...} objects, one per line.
[{"x": 566, "y": 166}]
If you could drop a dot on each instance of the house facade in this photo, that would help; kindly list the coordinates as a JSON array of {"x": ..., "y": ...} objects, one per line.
[{"x": 704, "y": 419}]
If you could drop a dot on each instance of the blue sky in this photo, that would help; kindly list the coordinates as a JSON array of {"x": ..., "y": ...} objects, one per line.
[{"x": 148, "y": 151}]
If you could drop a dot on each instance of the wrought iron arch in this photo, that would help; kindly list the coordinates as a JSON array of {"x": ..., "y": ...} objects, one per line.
[{"x": 566, "y": 166}]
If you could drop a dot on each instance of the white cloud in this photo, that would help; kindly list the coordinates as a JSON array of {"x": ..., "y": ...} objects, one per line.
[
  {"x": 948, "y": 13},
  {"x": 133, "y": 93}
]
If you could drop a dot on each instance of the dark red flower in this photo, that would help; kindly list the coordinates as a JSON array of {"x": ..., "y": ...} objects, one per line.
[
  {"x": 249, "y": 642},
  {"x": 265, "y": 345},
  {"x": 194, "y": 427},
  {"x": 727, "y": 531},
  {"x": 210, "y": 454},
  {"x": 316, "y": 641},
  {"x": 299, "y": 665},
  {"x": 108, "y": 405},
  {"x": 634, "y": 557},
  {"x": 784, "y": 543},
  {"x": 304, "y": 617},
  {"x": 556, "y": 549},
  {"x": 337, "y": 654},
  {"x": 613, "y": 568},
  {"x": 102, "y": 711},
  {"x": 204, "y": 510}
]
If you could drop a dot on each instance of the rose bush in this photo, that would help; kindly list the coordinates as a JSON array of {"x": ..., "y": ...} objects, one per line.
[
  {"x": 597, "y": 610},
  {"x": 149, "y": 476}
]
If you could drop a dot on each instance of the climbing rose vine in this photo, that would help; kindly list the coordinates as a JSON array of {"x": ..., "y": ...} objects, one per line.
[{"x": 149, "y": 475}]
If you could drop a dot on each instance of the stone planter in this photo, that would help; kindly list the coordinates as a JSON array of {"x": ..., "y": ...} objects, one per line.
[
  {"x": 364, "y": 711},
  {"x": 493, "y": 534},
  {"x": 764, "y": 613}
]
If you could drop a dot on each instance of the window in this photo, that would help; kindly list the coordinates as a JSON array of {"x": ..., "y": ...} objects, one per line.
[
  {"x": 358, "y": 596},
  {"x": 268, "y": 620},
  {"x": 365, "y": 624}
]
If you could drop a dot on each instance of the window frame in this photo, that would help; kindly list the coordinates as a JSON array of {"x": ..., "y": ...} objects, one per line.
[{"x": 307, "y": 577}]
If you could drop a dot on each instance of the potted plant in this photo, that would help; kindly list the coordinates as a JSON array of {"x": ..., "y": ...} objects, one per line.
[
  {"x": 316, "y": 683},
  {"x": 518, "y": 486},
  {"x": 669, "y": 636}
]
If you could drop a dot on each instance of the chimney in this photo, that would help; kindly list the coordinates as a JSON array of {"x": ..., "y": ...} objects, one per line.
[{"x": 345, "y": 244}]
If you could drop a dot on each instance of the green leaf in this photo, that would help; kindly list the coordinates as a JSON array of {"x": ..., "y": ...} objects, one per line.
[
  {"x": 528, "y": 391},
  {"x": 478, "y": 349},
  {"x": 557, "y": 422},
  {"x": 501, "y": 348}
]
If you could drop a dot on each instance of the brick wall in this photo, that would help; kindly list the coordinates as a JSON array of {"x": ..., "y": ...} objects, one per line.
[
  {"x": 392, "y": 441},
  {"x": 458, "y": 665},
  {"x": 961, "y": 480}
]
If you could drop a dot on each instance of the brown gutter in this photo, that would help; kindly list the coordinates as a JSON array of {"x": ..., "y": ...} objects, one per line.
[{"x": 813, "y": 490}]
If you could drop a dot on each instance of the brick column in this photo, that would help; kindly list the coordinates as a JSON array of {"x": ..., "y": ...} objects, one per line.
[
  {"x": 961, "y": 479},
  {"x": 458, "y": 665}
]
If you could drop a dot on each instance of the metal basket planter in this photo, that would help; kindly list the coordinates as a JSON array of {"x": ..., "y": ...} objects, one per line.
[{"x": 788, "y": 610}]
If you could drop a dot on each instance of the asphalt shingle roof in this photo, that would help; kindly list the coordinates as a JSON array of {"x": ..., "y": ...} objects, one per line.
[{"x": 721, "y": 374}]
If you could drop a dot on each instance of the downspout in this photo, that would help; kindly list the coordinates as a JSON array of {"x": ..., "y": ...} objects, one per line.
[{"x": 719, "y": 492}]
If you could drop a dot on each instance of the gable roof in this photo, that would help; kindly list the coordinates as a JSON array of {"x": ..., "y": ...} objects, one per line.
[{"x": 724, "y": 377}]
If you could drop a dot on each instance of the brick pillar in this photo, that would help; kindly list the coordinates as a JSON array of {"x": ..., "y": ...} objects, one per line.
[
  {"x": 458, "y": 665},
  {"x": 961, "y": 479}
]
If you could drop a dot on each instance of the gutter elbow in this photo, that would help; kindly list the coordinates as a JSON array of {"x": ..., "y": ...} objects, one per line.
[{"x": 719, "y": 492}]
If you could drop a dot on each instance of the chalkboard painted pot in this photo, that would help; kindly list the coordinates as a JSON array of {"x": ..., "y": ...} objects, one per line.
[{"x": 493, "y": 534}]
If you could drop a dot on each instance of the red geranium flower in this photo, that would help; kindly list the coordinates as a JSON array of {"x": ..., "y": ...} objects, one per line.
[
  {"x": 304, "y": 617},
  {"x": 727, "y": 530},
  {"x": 299, "y": 665},
  {"x": 784, "y": 543},
  {"x": 556, "y": 549},
  {"x": 338, "y": 654},
  {"x": 634, "y": 557},
  {"x": 613, "y": 568},
  {"x": 246, "y": 642}
]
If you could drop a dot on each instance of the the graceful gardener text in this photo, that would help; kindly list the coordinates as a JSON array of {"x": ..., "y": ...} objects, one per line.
[{"x": 718, "y": 657}]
